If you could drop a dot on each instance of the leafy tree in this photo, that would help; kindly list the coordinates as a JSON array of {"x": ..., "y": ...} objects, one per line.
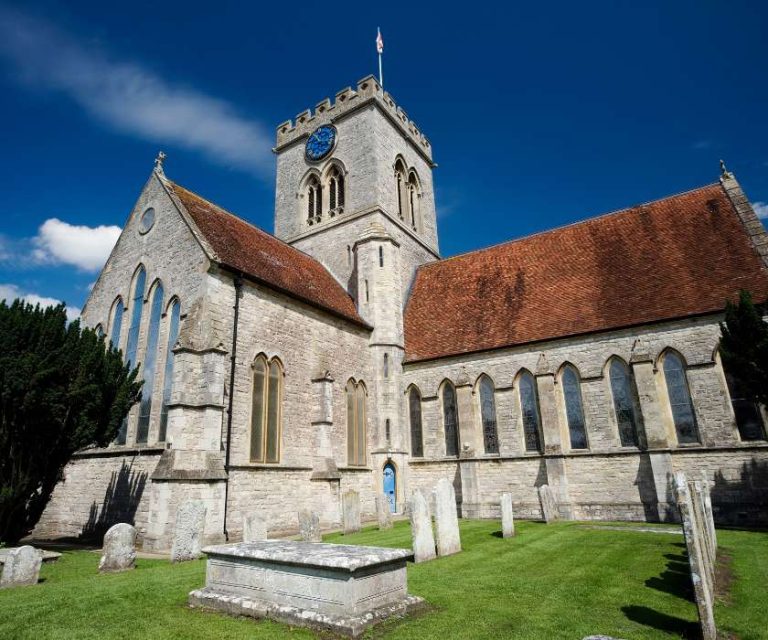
[
  {"x": 62, "y": 389},
  {"x": 744, "y": 346}
]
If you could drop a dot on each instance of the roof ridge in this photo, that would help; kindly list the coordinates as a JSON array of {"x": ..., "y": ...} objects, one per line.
[{"x": 584, "y": 221}]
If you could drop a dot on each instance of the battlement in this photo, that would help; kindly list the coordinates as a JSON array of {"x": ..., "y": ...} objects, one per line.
[{"x": 348, "y": 99}]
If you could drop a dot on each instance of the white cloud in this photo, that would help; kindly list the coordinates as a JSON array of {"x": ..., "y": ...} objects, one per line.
[
  {"x": 761, "y": 209},
  {"x": 9, "y": 292},
  {"x": 86, "y": 248},
  {"x": 131, "y": 98}
]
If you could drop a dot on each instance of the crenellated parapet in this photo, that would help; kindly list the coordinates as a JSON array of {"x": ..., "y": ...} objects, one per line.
[{"x": 348, "y": 99}]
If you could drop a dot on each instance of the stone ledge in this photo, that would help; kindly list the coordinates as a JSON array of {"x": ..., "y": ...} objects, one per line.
[{"x": 352, "y": 627}]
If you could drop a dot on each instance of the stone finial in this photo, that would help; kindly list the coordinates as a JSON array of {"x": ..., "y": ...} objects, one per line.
[
  {"x": 724, "y": 173},
  {"x": 159, "y": 163}
]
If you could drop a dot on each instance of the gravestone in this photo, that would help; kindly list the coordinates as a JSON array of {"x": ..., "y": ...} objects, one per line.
[
  {"x": 446, "y": 519},
  {"x": 549, "y": 510},
  {"x": 701, "y": 551},
  {"x": 21, "y": 567},
  {"x": 421, "y": 529},
  {"x": 254, "y": 528},
  {"x": 383, "y": 511},
  {"x": 350, "y": 506},
  {"x": 507, "y": 516},
  {"x": 119, "y": 549},
  {"x": 309, "y": 526},
  {"x": 188, "y": 534}
]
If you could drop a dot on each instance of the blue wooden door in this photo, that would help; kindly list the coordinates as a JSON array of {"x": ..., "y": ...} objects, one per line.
[{"x": 389, "y": 486}]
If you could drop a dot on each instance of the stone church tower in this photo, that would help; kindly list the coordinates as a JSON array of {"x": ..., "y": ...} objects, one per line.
[{"x": 354, "y": 190}]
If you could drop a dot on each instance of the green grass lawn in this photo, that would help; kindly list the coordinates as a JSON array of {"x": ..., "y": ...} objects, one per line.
[{"x": 551, "y": 581}]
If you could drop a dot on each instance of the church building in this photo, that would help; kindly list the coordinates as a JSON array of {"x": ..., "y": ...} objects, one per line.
[{"x": 343, "y": 352}]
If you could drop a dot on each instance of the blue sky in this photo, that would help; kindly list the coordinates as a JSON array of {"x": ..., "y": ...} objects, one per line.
[{"x": 539, "y": 114}]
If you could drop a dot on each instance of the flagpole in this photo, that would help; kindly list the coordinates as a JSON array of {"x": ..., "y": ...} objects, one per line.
[
  {"x": 380, "y": 48},
  {"x": 381, "y": 76}
]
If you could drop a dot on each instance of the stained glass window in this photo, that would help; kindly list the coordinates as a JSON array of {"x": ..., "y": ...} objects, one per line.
[
  {"x": 488, "y": 415},
  {"x": 624, "y": 402},
  {"x": 173, "y": 336},
  {"x": 450, "y": 420},
  {"x": 680, "y": 401},
  {"x": 266, "y": 410},
  {"x": 529, "y": 407},
  {"x": 150, "y": 359},
  {"x": 749, "y": 418},
  {"x": 414, "y": 405},
  {"x": 574, "y": 409}
]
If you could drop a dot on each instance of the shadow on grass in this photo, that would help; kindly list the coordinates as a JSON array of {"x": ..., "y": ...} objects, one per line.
[
  {"x": 675, "y": 579},
  {"x": 663, "y": 622}
]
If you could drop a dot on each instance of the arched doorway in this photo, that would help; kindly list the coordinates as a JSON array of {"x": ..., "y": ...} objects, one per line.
[{"x": 390, "y": 486}]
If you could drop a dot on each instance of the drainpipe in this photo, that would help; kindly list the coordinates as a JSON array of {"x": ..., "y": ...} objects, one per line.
[{"x": 232, "y": 362}]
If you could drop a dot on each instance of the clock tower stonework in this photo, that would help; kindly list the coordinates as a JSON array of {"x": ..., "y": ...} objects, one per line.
[{"x": 372, "y": 237}]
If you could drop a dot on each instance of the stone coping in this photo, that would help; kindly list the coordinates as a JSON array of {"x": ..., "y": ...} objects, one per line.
[
  {"x": 312, "y": 554},
  {"x": 48, "y": 556}
]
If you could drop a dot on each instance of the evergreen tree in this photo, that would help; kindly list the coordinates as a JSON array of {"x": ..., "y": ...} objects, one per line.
[
  {"x": 62, "y": 389},
  {"x": 744, "y": 347}
]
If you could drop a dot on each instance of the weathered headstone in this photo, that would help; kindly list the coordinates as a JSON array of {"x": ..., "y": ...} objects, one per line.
[
  {"x": 421, "y": 529},
  {"x": 446, "y": 518},
  {"x": 383, "y": 511},
  {"x": 309, "y": 526},
  {"x": 549, "y": 510},
  {"x": 119, "y": 549},
  {"x": 350, "y": 507},
  {"x": 21, "y": 567},
  {"x": 507, "y": 516},
  {"x": 700, "y": 559},
  {"x": 188, "y": 534},
  {"x": 254, "y": 528}
]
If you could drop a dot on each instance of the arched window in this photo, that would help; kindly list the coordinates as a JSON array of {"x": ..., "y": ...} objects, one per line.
[
  {"x": 488, "y": 414},
  {"x": 99, "y": 330},
  {"x": 450, "y": 419},
  {"x": 117, "y": 323},
  {"x": 574, "y": 410},
  {"x": 314, "y": 200},
  {"x": 680, "y": 401},
  {"x": 624, "y": 394},
  {"x": 266, "y": 411},
  {"x": 401, "y": 188},
  {"x": 414, "y": 195},
  {"x": 335, "y": 191},
  {"x": 381, "y": 256},
  {"x": 356, "y": 420},
  {"x": 414, "y": 407},
  {"x": 173, "y": 336},
  {"x": 150, "y": 360},
  {"x": 386, "y": 365},
  {"x": 137, "y": 306},
  {"x": 749, "y": 417},
  {"x": 529, "y": 408}
]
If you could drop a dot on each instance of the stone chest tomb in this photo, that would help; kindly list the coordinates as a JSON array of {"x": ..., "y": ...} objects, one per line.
[{"x": 341, "y": 588}]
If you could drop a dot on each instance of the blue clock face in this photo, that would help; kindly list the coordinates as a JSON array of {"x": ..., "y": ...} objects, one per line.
[{"x": 321, "y": 142}]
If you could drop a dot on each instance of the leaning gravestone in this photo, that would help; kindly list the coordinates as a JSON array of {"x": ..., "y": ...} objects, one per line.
[
  {"x": 421, "y": 529},
  {"x": 383, "y": 512},
  {"x": 350, "y": 506},
  {"x": 507, "y": 516},
  {"x": 446, "y": 519},
  {"x": 119, "y": 551},
  {"x": 254, "y": 528},
  {"x": 188, "y": 534},
  {"x": 21, "y": 567},
  {"x": 549, "y": 510},
  {"x": 309, "y": 526}
]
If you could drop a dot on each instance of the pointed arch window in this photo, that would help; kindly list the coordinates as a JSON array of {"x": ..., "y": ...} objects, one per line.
[
  {"x": 356, "y": 421},
  {"x": 173, "y": 336},
  {"x": 386, "y": 365},
  {"x": 488, "y": 414},
  {"x": 531, "y": 413},
  {"x": 749, "y": 417},
  {"x": 117, "y": 323},
  {"x": 150, "y": 360},
  {"x": 624, "y": 392},
  {"x": 450, "y": 419},
  {"x": 414, "y": 407},
  {"x": 314, "y": 200},
  {"x": 414, "y": 195},
  {"x": 266, "y": 410},
  {"x": 574, "y": 409},
  {"x": 99, "y": 330},
  {"x": 401, "y": 188},
  {"x": 680, "y": 402},
  {"x": 335, "y": 191},
  {"x": 137, "y": 307}
]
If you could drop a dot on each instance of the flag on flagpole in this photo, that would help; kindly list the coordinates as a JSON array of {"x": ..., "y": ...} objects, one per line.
[{"x": 379, "y": 42}]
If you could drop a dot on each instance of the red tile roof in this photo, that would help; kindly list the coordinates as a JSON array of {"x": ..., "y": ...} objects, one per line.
[
  {"x": 676, "y": 257},
  {"x": 260, "y": 256}
]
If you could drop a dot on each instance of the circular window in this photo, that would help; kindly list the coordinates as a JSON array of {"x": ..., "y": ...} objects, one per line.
[{"x": 147, "y": 220}]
